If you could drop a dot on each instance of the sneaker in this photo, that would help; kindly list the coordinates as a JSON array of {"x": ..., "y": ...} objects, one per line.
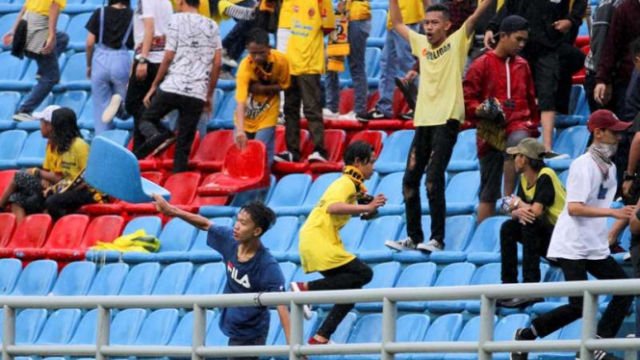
[
  {"x": 616, "y": 248},
  {"x": 330, "y": 115},
  {"x": 431, "y": 246},
  {"x": 350, "y": 116},
  {"x": 363, "y": 117},
  {"x": 376, "y": 115},
  {"x": 600, "y": 355},
  {"x": 400, "y": 245},
  {"x": 284, "y": 156},
  {"x": 306, "y": 309},
  {"x": 22, "y": 116},
  {"x": 112, "y": 109},
  {"x": 519, "y": 355},
  {"x": 165, "y": 144},
  {"x": 313, "y": 341},
  {"x": 226, "y": 60},
  {"x": 281, "y": 119},
  {"x": 152, "y": 144},
  {"x": 407, "y": 116},
  {"x": 316, "y": 156},
  {"x": 626, "y": 256}
]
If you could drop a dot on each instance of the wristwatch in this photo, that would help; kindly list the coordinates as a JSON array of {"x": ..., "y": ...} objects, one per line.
[
  {"x": 141, "y": 59},
  {"x": 626, "y": 176}
]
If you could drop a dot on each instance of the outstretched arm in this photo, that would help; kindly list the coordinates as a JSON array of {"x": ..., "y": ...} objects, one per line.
[
  {"x": 396, "y": 20},
  {"x": 167, "y": 209},
  {"x": 483, "y": 6}
]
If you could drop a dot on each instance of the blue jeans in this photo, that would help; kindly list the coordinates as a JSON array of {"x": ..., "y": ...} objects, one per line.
[
  {"x": 48, "y": 72},
  {"x": 396, "y": 60},
  {"x": 268, "y": 137},
  {"x": 358, "y": 34},
  {"x": 109, "y": 75}
]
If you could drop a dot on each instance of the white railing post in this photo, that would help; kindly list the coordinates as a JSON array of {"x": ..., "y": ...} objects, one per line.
[
  {"x": 199, "y": 326},
  {"x": 389, "y": 314},
  {"x": 295, "y": 337},
  {"x": 9, "y": 331},
  {"x": 589, "y": 319},
  {"x": 487, "y": 311},
  {"x": 102, "y": 335}
]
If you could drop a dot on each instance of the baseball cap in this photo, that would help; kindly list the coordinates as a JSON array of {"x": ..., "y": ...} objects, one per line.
[
  {"x": 530, "y": 148},
  {"x": 605, "y": 119},
  {"x": 46, "y": 114},
  {"x": 513, "y": 23}
]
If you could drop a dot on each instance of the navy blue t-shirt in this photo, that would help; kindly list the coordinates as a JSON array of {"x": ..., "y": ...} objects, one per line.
[{"x": 260, "y": 274}]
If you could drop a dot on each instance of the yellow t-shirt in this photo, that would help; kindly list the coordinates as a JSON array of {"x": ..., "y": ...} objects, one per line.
[
  {"x": 42, "y": 6},
  {"x": 262, "y": 110},
  {"x": 284, "y": 20},
  {"x": 552, "y": 212},
  {"x": 359, "y": 10},
  {"x": 305, "y": 49},
  {"x": 320, "y": 245},
  {"x": 70, "y": 163},
  {"x": 440, "y": 95},
  {"x": 412, "y": 12}
]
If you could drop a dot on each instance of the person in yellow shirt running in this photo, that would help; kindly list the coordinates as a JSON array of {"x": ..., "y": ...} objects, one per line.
[
  {"x": 321, "y": 248},
  {"x": 260, "y": 78}
]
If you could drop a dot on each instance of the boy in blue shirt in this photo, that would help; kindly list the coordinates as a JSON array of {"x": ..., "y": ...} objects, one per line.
[{"x": 250, "y": 269}]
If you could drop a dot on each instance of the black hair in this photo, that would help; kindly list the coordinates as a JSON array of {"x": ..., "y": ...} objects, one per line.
[
  {"x": 536, "y": 164},
  {"x": 444, "y": 9},
  {"x": 64, "y": 126},
  {"x": 127, "y": 3},
  {"x": 258, "y": 36},
  {"x": 358, "y": 150},
  {"x": 260, "y": 214},
  {"x": 193, "y": 3},
  {"x": 635, "y": 47}
]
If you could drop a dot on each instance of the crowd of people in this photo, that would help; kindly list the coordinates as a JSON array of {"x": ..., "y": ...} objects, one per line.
[{"x": 509, "y": 83}]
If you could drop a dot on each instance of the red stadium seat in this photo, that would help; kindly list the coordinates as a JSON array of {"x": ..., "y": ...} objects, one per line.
[
  {"x": 242, "y": 170},
  {"x": 347, "y": 100},
  {"x": 7, "y": 225},
  {"x": 6, "y": 176},
  {"x": 153, "y": 176},
  {"x": 336, "y": 142},
  {"x": 306, "y": 147},
  {"x": 170, "y": 153},
  {"x": 210, "y": 155},
  {"x": 66, "y": 233},
  {"x": 102, "y": 228},
  {"x": 31, "y": 232},
  {"x": 182, "y": 187},
  {"x": 165, "y": 158}
]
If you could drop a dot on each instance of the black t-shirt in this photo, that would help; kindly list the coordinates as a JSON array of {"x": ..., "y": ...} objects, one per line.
[
  {"x": 545, "y": 193},
  {"x": 116, "y": 23}
]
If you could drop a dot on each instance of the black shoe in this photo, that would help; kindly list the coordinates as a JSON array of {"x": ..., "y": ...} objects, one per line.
[
  {"x": 284, "y": 156},
  {"x": 376, "y": 115},
  {"x": 152, "y": 144},
  {"x": 409, "y": 91},
  {"x": 600, "y": 355},
  {"x": 519, "y": 302},
  {"x": 408, "y": 115},
  {"x": 519, "y": 355}
]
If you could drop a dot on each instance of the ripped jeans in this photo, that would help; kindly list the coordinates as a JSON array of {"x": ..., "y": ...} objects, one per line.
[{"x": 430, "y": 153}]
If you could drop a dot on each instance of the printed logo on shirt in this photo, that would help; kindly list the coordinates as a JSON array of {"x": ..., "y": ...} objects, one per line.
[
  {"x": 296, "y": 8},
  {"x": 312, "y": 12},
  {"x": 233, "y": 272},
  {"x": 435, "y": 55}
]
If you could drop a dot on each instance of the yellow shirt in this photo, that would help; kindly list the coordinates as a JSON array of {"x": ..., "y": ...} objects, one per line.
[
  {"x": 284, "y": 20},
  {"x": 70, "y": 163},
  {"x": 412, "y": 12},
  {"x": 560, "y": 194},
  {"x": 42, "y": 6},
  {"x": 359, "y": 10},
  {"x": 440, "y": 95},
  {"x": 305, "y": 49},
  {"x": 320, "y": 245},
  {"x": 262, "y": 110}
]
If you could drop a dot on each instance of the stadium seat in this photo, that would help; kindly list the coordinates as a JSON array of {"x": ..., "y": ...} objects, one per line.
[
  {"x": 207, "y": 279},
  {"x": 109, "y": 279},
  {"x": 391, "y": 186},
  {"x": 372, "y": 247},
  {"x": 242, "y": 171},
  {"x": 74, "y": 279},
  {"x": 484, "y": 246},
  {"x": 29, "y": 323},
  {"x": 316, "y": 190},
  {"x": 74, "y": 74},
  {"x": 278, "y": 239},
  {"x": 215, "y": 336},
  {"x": 66, "y": 233},
  {"x": 77, "y": 32},
  {"x": 73, "y": 99},
  {"x": 352, "y": 233},
  {"x": 288, "y": 270},
  {"x": 461, "y": 201},
  {"x": 176, "y": 237},
  {"x": 182, "y": 187},
  {"x": 9, "y": 271},
  {"x": 458, "y": 274},
  {"x": 342, "y": 334},
  {"x": 470, "y": 332},
  {"x": 101, "y": 228},
  {"x": 506, "y": 327},
  {"x": 394, "y": 154},
  {"x": 118, "y": 136},
  {"x": 173, "y": 279},
  {"x": 384, "y": 276},
  {"x": 373, "y": 137},
  {"x": 347, "y": 100},
  {"x": 31, "y": 232},
  {"x": 444, "y": 328},
  {"x": 8, "y": 221},
  {"x": 571, "y": 141},
  {"x": 8, "y": 105},
  {"x": 484, "y": 275},
  {"x": 86, "y": 117},
  {"x": 6, "y": 177},
  {"x": 7, "y": 20},
  {"x": 372, "y": 66},
  {"x": 223, "y": 118},
  {"x": 378, "y": 28},
  {"x": 309, "y": 326},
  {"x": 32, "y": 154},
  {"x": 183, "y": 334},
  {"x": 210, "y": 154},
  {"x": 141, "y": 279},
  {"x": 280, "y": 146},
  {"x": 157, "y": 328},
  {"x": 36, "y": 279},
  {"x": 11, "y": 72},
  {"x": 59, "y": 327},
  {"x": 165, "y": 159},
  {"x": 126, "y": 325},
  {"x": 85, "y": 332},
  {"x": 289, "y": 192},
  {"x": 465, "y": 154},
  {"x": 200, "y": 252},
  {"x": 334, "y": 144},
  {"x": 416, "y": 275},
  {"x": 150, "y": 224},
  {"x": 11, "y": 143}
]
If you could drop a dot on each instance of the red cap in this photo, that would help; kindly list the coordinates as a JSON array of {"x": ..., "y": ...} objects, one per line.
[{"x": 605, "y": 119}]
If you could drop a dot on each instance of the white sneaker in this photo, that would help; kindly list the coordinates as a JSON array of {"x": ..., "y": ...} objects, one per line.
[
  {"x": 306, "y": 308},
  {"x": 431, "y": 246},
  {"x": 281, "y": 119},
  {"x": 350, "y": 116},
  {"x": 400, "y": 245},
  {"x": 317, "y": 157},
  {"x": 627, "y": 256},
  {"x": 284, "y": 156},
  {"x": 112, "y": 109},
  {"x": 23, "y": 116},
  {"x": 226, "y": 60},
  {"x": 330, "y": 115}
]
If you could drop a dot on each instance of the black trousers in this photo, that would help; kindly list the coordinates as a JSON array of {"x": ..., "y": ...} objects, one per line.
[
  {"x": 136, "y": 91},
  {"x": 189, "y": 108},
  {"x": 430, "y": 153},
  {"x": 535, "y": 242},
  {"x": 305, "y": 89},
  {"x": 352, "y": 275},
  {"x": 262, "y": 340},
  {"x": 68, "y": 202},
  {"x": 575, "y": 270}
]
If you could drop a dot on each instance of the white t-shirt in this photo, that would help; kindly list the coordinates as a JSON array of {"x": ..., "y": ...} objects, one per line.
[
  {"x": 195, "y": 39},
  {"x": 578, "y": 237},
  {"x": 158, "y": 10}
]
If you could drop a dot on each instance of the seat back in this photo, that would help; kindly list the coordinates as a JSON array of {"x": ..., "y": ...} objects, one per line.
[
  {"x": 391, "y": 186},
  {"x": 151, "y": 225},
  {"x": 67, "y": 232},
  {"x": 444, "y": 328},
  {"x": 75, "y": 68},
  {"x": 463, "y": 187},
  {"x": 465, "y": 147},
  {"x": 412, "y": 327},
  {"x": 183, "y": 334},
  {"x": 6, "y": 177},
  {"x": 214, "y": 146},
  {"x": 75, "y": 279},
  {"x": 458, "y": 230},
  {"x": 417, "y": 275},
  {"x": 246, "y": 164},
  {"x": 334, "y": 143},
  {"x": 373, "y": 137},
  {"x": 378, "y": 230},
  {"x": 36, "y": 278},
  {"x": 207, "y": 279},
  {"x": 487, "y": 274},
  {"x": 372, "y": 62},
  {"x": 8, "y": 221},
  {"x": 173, "y": 279},
  {"x": 352, "y": 233},
  {"x": 158, "y": 327},
  {"x": 141, "y": 279},
  {"x": 177, "y": 235},
  {"x": 12, "y": 67},
  {"x": 85, "y": 333},
  {"x": 118, "y": 136},
  {"x": 280, "y": 236},
  {"x": 572, "y": 141},
  {"x": 200, "y": 242},
  {"x": 59, "y": 327},
  {"x": 109, "y": 279},
  {"x": 126, "y": 326},
  {"x": 318, "y": 187},
  {"x": 33, "y": 151},
  {"x": 395, "y": 150},
  {"x": 378, "y": 23},
  {"x": 281, "y": 144},
  {"x": 76, "y": 29},
  {"x": 72, "y": 99},
  {"x": 486, "y": 238},
  {"x": 11, "y": 143},
  {"x": 102, "y": 228},
  {"x": 8, "y": 102},
  {"x": 290, "y": 190},
  {"x": 367, "y": 329},
  {"x": 9, "y": 271},
  {"x": 29, "y": 322},
  {"x": 384, "y": 275},
  {"x": 31, "y": 232}
]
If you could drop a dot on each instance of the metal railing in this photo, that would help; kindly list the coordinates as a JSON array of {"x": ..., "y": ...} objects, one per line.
[{"x": 387, "y": 348}]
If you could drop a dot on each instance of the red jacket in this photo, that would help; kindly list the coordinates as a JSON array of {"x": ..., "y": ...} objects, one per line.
[{"x": 488, "y": 77}]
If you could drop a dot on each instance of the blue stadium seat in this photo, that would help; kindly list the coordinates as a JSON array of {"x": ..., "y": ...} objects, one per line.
[
  {"x": 378, "y": 28},
  {"x": 8, "y": 105},
  {"x": 571, "y": 141},
  {"x": 36, "y": 278},
  {"x": 74, "y": 279},
  {"x": 176, "y": 238},
  {"x": 173, "y": 279},
  {"x": 484, "y": 275},
  {"x": 85, "y": 332},
  {"x": 183, "y": 333},
  {"x": 506, "y": 328},
  {"x": 458, "y": 274},
  {"x": 445, "y": 328},
  {"x": 569, "y": 332},
  {"x": 224, "y": 114},
  {"x": 484, "y": 246},
  {"x": 151, "y": 226},
  {"x": 313, "y": 195},
  {"x": 74, "y": 74},
  {"x": 367, "y": 329},
  {"x": 341, "y": 335},
  {"x": 77, "y": 32},
  {"x": 288, "y": 270},
  {"x": 289, "y": 192},
  {"x": 73, "y": 99},
  {"x": 465, "y": 153},
  {"x": 278, "y": 239},
  {"x": 200, "y": 252},
  {"x": 379, "y": 230},
  {"x": 215, "y": 336},
  {"x": 59, "y": 327},
  {"x": 391, "y": 187},
  {"x": 372, "y": 182},
  {"x": 469, "y": 332},
  {"x": 11, "y": 143},
  {"x": 29, "y": 322},
  {"x": 157, "y": 328},
  {"x": 11, "y": 72},
  {"x": 372, "y": 66},
  {"x": 578, "y": 104},
  {"x": 550, "y": 303},
  {"x": 207, "y": 279},
  {"x": 300, "y": 276},
  {"x": 395, "y": 151},
  {"x": 125, "y": 326},
  {"x": 86, "y": 117},
  {"x": 563, "y": 177},
  {"x": 8, "y": 19},
  {"x": 309, "y": 327},
  {"x": 416, "y": 275},
  {"x": 352, "y": 233},
  {"x": 109, "y": 279},
  {"x": 118, "y": 136},
  {"x": 141, "y": 279},
  {"x": 9, "y": 271},
  {"x": 384, "y": 276},
  {"x": 33, "y": 151},
  {"x": 462, "y": 193},
  {"x": 411, "y": 328}
]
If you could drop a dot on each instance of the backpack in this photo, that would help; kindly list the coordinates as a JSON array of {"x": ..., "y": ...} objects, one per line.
[{"x": 601, "y": 19}]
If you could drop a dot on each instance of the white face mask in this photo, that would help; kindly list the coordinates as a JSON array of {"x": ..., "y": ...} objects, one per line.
[{"x": 607, "y": 150}]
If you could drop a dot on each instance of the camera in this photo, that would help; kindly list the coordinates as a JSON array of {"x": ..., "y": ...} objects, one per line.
[{"x": 364, "y": 199}]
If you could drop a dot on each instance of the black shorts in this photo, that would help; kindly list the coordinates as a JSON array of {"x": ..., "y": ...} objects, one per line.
[{"x": 545, "y": 67}]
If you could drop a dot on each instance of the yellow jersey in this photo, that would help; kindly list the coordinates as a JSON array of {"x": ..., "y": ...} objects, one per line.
[
  {"x": 412, "y": 12},
  {"x": 305, "y": 48},
  {"x": 42, "y": 6},
  {"x": 70, "y": 163}
]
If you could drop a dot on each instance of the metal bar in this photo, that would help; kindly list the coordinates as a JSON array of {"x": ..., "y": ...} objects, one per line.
[
  {"x": 296, "y": 335},
  {"x": 487, "y": 311},
  {"x": 389, "y": 315},
  {"x": 102, "y": 335},
  {"x": 226, "y": 351},
  {"x": 9, "y": 331},
  {"x": 589, "y": 314},
  {"x": 199, "y": 326},
  {"x": 52, "y": 350},
  {"x": 129, "y": 350}
]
